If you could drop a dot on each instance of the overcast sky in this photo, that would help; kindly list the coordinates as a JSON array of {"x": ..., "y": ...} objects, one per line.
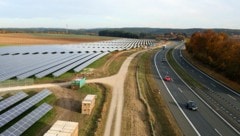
[{"x": 120, "y": 13}]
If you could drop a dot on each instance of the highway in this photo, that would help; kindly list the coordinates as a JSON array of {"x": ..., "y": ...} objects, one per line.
[{"x": 205, "y": 121}]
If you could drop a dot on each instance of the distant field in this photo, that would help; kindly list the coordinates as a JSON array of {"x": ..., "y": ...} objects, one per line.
[{"x": 41, "y": 38}]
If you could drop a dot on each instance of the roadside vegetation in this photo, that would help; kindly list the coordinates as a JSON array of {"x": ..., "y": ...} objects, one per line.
[
  {"x": 218, "y": 51},
  {"x": 162, "y": 120},
  {"x": 181, "y": 72}
]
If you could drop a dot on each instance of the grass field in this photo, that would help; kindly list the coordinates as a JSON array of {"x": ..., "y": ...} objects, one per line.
[{"x": 43, "y": 38}]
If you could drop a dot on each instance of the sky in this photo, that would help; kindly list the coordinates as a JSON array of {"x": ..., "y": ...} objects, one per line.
[{"x": 79, "y": 14}]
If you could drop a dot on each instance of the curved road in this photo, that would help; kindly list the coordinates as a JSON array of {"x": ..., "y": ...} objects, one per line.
[
  {"x": 177, "y": 93},
  {"x": 221, "y": 98}
]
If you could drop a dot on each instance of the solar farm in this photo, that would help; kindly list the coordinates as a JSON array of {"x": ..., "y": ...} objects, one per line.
[
  {"x": 9, "y": 112},
  {"x": 38, "y": 61}
]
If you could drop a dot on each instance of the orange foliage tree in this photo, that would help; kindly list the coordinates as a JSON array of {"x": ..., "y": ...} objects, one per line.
[{"x": 218, "y": 51}]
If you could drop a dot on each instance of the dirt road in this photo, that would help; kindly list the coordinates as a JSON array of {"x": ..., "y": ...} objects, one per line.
[
  {"x": 116, "y": 106},
  {"x": 32, "y": 87}
]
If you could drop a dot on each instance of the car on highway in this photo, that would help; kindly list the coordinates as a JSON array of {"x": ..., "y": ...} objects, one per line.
[
  {"x": 164, "y": 60},
  {"x": 167, "y": 78},
  {"x": 191, "y": 105}
]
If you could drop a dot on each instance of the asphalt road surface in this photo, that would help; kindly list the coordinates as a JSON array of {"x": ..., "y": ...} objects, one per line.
[{"x": 204, "y": 121}]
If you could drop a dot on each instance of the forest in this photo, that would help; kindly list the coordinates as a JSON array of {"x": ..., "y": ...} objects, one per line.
[
  {"x": 114, "y": 33},
  {"x": 217, "y": 50}
]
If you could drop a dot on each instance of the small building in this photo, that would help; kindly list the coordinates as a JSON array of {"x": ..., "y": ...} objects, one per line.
[
  {"x": 88, "y": 104},
  {"x": 63, "y": 128},
  {"x": 78, "y": 83}
]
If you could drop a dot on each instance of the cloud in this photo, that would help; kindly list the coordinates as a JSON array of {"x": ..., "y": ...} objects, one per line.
[{"x": 120, "y": 13}]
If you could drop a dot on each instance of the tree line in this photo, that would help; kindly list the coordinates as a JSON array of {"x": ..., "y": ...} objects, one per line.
[
  {"x": 218, "y": 51},
  {"x": 114, "y": 33}
]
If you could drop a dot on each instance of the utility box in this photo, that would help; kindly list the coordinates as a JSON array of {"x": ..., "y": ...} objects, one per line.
[
  {"x": 88, "y": 104},
  {"x": 63, "y": 128},
  {"x": 78, "y": 83}
]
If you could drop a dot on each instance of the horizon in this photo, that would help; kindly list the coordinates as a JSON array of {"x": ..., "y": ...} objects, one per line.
[{"x": 111, "y": 28}]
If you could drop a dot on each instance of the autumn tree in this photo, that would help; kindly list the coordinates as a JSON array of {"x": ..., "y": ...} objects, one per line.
[{"x": 218, "y": 51}]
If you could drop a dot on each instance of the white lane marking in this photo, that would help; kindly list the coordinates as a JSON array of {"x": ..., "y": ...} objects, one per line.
[
  {"x": 218, "y": 82},
  {"x": 173, "y": 97},
  {"x": 205, "y": 101},
  {"x": 232, "y": 97},
  {"x": 200, "y": 76},
  {"x": 218, "y": 132},
  {"x": 180, "y": 90},
  {"x": 213, "y": 85}
]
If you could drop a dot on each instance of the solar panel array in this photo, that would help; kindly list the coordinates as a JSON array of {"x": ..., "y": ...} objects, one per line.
[
  {"x": 22, "y": 107},
  {"x": 22, "y": 125},
  {"x": 12, "y": 100},
  {"x": 39, "y": 61}
]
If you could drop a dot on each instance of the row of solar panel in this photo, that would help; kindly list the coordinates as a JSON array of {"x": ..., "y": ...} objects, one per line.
[
  {"x": 4, "y": 104},
  {"x": 17, "y": 110},
  {"x": 44, "y": 64},
  {"x": 105, "y": 46},
  {"x": 22, "y": 125},
  {"x": 45, "y": 67}
]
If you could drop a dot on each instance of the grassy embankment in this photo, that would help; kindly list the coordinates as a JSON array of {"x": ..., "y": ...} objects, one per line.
[
  {"x": 159, "y": 116},
  {"x": 212, "y": 73},
  {"x": 191, "y": 81},
  {"x": 181, "y": 72}
]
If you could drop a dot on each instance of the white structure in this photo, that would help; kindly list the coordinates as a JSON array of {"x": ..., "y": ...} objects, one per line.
[
  {"x": 63, "y": 128},
  {"x": 88, "y": 104}
]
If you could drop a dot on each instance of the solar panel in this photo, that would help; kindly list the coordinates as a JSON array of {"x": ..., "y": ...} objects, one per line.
[
  {"x": 57, "y": 67},
  {"x": 22, "y": 125},
  {"x": 12, "y": 100},
  {"x": 43, "y": 66},
  {"x": 22, "y": 107},
  {"x": 45, "y": 60},
  {"x": 82, "y": 66},
  {"x": 71, "y": 66}
]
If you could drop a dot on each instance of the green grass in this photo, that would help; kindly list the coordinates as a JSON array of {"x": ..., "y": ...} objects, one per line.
[
  {"x": 91, "y": 123},
  {"x": 181, "y": 72},
  {"x": 100, "y": 62},
  {"x": 39, "y": 124},
  {"x": 161, "y": 122}
]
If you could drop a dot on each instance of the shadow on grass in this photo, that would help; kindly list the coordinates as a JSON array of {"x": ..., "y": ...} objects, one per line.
[{"x": 69, "y": 104}]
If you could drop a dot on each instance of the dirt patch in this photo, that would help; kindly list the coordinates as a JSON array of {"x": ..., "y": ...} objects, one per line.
[
  {"x": 31, "y": 39},
  {"x": 134, "y": 113}
]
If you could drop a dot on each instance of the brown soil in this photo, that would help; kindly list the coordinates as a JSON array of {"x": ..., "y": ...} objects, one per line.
[
  {"x": 134, "y": 113},
  {"x": 67, "y": 106},
  {"x": 28, "y": 39}
]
